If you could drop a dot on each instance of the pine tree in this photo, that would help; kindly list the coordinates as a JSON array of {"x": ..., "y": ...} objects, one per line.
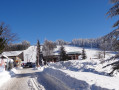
[
  {"x": 83, "y": 54},
  {"x": 114, "y": 11},
  {"x": 2, "y": 40},
  {"x": 38, "y": 62},
  {"x": 63, "y": 55}
]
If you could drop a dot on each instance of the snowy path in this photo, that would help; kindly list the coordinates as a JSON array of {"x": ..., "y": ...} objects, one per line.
[
  {"x": 29, "y": 79},
  {"x": 23, "y": 80}
]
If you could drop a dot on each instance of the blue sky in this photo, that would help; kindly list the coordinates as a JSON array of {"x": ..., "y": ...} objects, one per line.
[{"x": 56, "y": 19}]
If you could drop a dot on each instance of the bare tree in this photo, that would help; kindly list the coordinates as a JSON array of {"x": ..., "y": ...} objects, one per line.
[
  {"x": 2, "y": 41},
  {"x": 48, "y": 48},
  {"x": 86, "y": 42},
  {"x": 17, "y": 46},
  {"x": 104, "y": 47},
  {"x": 61, "y": 42},
  {"x": 99, "y": 55},
  {"x": 7, "y": 34}
]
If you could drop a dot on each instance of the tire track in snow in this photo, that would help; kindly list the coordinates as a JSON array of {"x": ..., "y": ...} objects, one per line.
[{"x": 34, "y": 85}]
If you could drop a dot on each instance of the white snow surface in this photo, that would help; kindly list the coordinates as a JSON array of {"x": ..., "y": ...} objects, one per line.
[
  {"x": 12, "y": 53},
  {"x": 6, "y": 75},
  {"x": 89, "y": 72},
  {"x": 77, "y": 74},
  {"x": 30, "y": 54},
  {"x": 39, "y": 68},
  {"x": 91, "y": 52}
]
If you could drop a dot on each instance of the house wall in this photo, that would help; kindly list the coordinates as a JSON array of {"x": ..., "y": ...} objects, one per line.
[
  {"x": 55, "y": 58},
  {"x": 74, "y": 57},
  {"x": 21, "y": 56},
  {"x": 12, "y": 57}
]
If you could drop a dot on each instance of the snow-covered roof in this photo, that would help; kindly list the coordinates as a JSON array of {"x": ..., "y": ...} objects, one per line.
[
  {"x": 76, "y": 52},
  {"x": 3, "y": 56},
  {"x": 30, "y": 54},
  {"x": 12, "y": 53}
]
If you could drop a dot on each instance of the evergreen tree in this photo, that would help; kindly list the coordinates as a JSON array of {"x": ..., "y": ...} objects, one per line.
[
  {"x": 114, "y": 11},
  {"x": 63, "y": 55},
  {"x": 2, "y": 40},
  {"x": 38, "y": 62},
  {"x": 83, "y": 54}
]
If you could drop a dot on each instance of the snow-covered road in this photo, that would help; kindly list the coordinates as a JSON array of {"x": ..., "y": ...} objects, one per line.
[
  {"x": 30, "y": 79},
  {"x": 23, "y": 80}
]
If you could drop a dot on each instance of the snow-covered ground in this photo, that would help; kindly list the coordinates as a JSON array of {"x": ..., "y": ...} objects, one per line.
[
  {"x": 85, "y": 74},
  {"x": 6, "y": 75}
]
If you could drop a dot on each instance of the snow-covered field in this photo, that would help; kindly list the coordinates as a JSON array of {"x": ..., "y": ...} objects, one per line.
[{"x": 85, "y": 74}]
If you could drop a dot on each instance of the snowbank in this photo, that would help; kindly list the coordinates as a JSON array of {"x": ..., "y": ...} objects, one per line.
[
  {"x": 69, "y": 81},
  {"x": 81, "y": 65},
  {"x": 90, "y": 71},
  {"x": 39, "y": 68},
  {"x": 6, "y": 75},
  {"x": 2, "y": 69}
]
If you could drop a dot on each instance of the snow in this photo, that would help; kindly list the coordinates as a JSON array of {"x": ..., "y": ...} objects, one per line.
[
  {"x": 67, "y": 49},
  {"x": 69, "y": 81},
  {"x": 82, "y": 72},
  {"x": 30, "y": 54},
  {"x": 88, "y": 73},
  {"x": 95, "y": 79},
  {"x": 40, "y": 69},
  {"x": 12, "y": 53},
  {"x": 6, "y": 75},
  {"x": 2, "y": 68}
]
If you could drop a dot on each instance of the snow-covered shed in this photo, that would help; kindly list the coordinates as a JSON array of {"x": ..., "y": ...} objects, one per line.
[
  {"x": 17, "y": 56},
  {"x": 14, "y": 55},
  {"x": 5, "y": 58},
  {"x": 4, "y": 61}
]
